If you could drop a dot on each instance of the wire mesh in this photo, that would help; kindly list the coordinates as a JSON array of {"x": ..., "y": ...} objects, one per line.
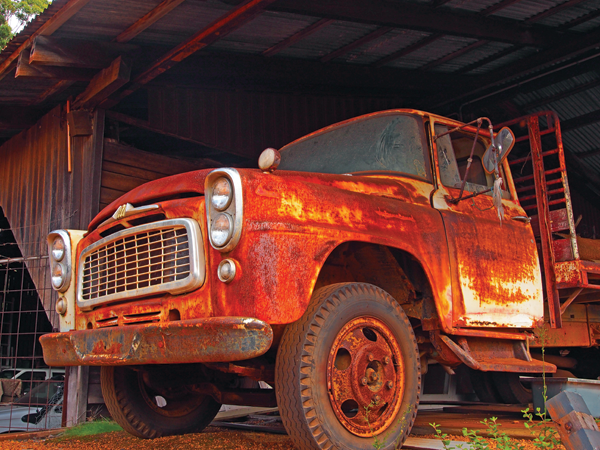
[{"x": 31, "y": 392}]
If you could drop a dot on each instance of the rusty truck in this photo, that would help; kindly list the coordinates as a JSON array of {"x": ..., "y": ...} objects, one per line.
[{"x": 336, "y": 272}]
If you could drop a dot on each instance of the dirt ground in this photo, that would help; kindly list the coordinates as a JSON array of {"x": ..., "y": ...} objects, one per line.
[{"x": 212, "y": 438}]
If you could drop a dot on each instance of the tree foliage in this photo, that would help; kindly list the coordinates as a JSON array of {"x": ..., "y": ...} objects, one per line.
[{"x": 17, "y": 13}]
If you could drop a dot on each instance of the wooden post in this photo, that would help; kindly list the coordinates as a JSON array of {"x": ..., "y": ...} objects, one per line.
[
  {"x": 77, "y": 395},
  {"x": 575, "y": 424}
]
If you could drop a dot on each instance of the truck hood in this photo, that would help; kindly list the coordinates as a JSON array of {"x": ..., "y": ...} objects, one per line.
[{"x": 191, "y": 184}]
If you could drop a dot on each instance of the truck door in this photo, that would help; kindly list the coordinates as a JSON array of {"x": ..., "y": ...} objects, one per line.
[{"x": 494, "y": 263}]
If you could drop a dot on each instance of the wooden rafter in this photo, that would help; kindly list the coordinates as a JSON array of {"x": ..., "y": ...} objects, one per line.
[
  {"x": 145, "y": 125},
  {"x": 489, "y": 59},
  {"x": 454, "y": 54},
  {"x": 296, "y": 37},
  {"x": 554, "y": 10},
  {"x": 578, "y": 21},
  {"x": 580, "y": 121},
  {"x": 421, "y": 17},
  {"x": 49, "y": 27},
  {"x": 405, "y": 51},
  {"x": 498, "y": 6},
  {"x": 231, "y": 21},
  {"x": 26, "y": 70},
  {"x": 544, "y": 101},
  {"x": 570, "y": 49},
  {"x": 152, "y": 17},
  {"x": 490, "y": 10},
  {"x": 51, "y": 51},
  {"x": 358, "y": 43}
]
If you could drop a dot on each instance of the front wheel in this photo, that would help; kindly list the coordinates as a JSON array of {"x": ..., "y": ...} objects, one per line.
[
  {"x": 347, "y": 373},
  {"x": 147, "y": 414}
]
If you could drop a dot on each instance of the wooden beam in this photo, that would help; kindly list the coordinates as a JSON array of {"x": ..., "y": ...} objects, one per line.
[
  {"x": 498, "y": 6},
  {"x": 153, "y": 16},
  {"x": 49, "y": 51},
  {"x": 358, "y": 43},
  {"x": 241, "y": 71},
  {"x": 296, "y": 37},
  {"x": 405, "y": 51},
  {"x": 588, "y": 153},
  {"x": 554, "y": 10},
  {"x": 144, "y": 125},
  {"x": 453, "y": 55},
  {"x": 545, "y": 59},
  {"x": 544, "y": 101},
  {"x": 105, "y": 83},
  {"x": 26, "y": 70},
  {"x": 49, "y": 27},
  {"x": 489, "y": 59},
  {"x": 417, "y": 16},
  {"x": 231, "y": 21},
  {"x": 578, "y": 21},
  {"x": 580, "y": 121}
]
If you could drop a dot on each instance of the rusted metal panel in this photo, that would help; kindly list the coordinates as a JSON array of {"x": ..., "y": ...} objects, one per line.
[{"x": 202, "y": 340}]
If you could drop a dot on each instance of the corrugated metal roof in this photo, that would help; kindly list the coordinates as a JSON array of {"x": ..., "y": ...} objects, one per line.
[
  {"x": 526, "y": 9},
  {"x": 473, "y": 56},
  {"x": 328, "y": 39},
  {"x": 432, "y": 52}
]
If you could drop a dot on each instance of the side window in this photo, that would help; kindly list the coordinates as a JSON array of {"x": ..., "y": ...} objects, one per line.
[
  {"x": 449, "y": 173},
  {"x": 454, "y": 150}
]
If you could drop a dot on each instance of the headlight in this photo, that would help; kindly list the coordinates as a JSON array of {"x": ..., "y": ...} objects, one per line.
[
  {"x": 59, "y": 252},
  {"x": 58, "y": 276},
  {"x": 221, "y": 229},
  {"x": 221, "y": 194},
  {"x": 224, "y": 208},
  {"x": 58, "y": 248}
]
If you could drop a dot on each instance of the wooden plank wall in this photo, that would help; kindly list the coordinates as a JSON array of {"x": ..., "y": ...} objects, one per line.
[
  {"x": 38, "y": 194},
  {"x": 125, "y": 167}
]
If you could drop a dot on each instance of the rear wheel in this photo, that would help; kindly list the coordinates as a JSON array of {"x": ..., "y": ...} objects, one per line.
[
  {"x": 146, "y": 413},
  {"x": 511, "y": 388},
  {"x": 347, "y": 373},
  {"x": 484, "y": 387}
]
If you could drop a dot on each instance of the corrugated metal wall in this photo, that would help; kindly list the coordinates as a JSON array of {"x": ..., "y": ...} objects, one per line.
[
  {"x": 246, "y": 123},
  {"x": 38, "y": 194}
]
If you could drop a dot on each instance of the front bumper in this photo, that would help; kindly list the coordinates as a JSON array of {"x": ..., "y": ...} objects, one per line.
[{"x": 212, "y": 339}]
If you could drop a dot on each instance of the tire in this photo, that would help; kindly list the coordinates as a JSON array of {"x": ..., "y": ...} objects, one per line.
[
  {"x": 344, "y": 340},
  {"x": 135, "y": 408},
  {"x": 484, "y": 387},
  {"x": 511, "y": 389}
]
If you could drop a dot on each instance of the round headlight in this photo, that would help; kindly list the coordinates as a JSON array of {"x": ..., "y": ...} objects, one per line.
[
  {"x": 221, "y": 229},
  {"x": 221, "y": 194},
  {"x": 58, "y": 248},
  {"x": 58, "y": 276}
]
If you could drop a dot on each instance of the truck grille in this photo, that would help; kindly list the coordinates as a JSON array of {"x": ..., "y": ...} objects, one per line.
[{"x": 155, "y": 258}]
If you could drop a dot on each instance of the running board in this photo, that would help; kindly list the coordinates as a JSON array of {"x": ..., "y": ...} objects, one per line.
[{"x": 497, "y": 356}]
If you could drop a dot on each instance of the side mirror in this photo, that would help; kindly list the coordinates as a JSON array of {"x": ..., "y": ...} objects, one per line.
[{"x": 505, "y": 140}]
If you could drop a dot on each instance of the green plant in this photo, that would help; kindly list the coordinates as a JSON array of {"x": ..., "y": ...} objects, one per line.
[
  {"x": 442, "y": 436},
  {"x": 545, "y": 436}
]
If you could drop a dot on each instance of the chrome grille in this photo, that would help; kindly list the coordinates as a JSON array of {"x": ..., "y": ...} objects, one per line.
[{"x": 149, "y": 259}]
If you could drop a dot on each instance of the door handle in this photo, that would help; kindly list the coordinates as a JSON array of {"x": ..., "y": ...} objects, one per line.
[{"x": 523, "y": 219}]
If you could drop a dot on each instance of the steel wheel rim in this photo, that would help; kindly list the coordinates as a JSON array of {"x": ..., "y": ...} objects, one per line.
[{"x": 365, "y": 376}]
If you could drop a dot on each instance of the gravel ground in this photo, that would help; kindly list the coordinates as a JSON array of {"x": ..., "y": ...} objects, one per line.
[{"x": 211, "y": 439}]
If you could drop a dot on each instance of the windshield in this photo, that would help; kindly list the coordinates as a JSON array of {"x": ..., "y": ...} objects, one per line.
[{"x": 379, "y": 143}]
